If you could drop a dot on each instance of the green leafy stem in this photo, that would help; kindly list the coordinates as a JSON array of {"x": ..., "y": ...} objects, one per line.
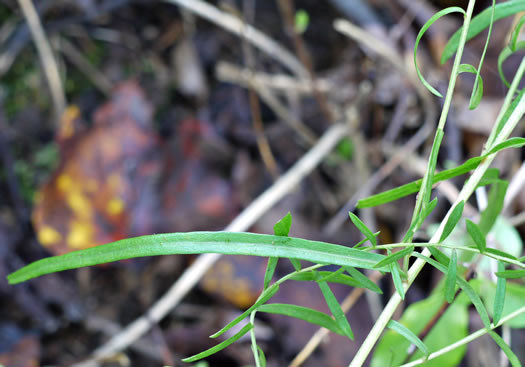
[{"x": 229, "y": 243}]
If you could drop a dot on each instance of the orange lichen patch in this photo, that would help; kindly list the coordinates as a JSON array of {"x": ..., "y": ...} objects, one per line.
[
  {"x": 64, "y": 182},
  {"x": 80, "y": 235},
  {"x": 236, "y": 279},
  {"x": 86, "y": 199},
  {"x": 48, "y": 236},
  {"x": 79, "y": 203},
  {"x": 115, "y": 206}
]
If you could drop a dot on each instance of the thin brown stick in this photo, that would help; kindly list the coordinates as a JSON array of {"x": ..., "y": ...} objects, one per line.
[
  {"x": 254, "y": 36},
  {"x": 255, "y": 107},
  {"x": 47, "y": 58},
  {"x": 287, "y": 9}
]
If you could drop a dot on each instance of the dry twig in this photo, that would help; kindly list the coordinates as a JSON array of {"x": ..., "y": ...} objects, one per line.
[
  {"x": 46, "y": 56},
  {"x": 254, "y": 36}
]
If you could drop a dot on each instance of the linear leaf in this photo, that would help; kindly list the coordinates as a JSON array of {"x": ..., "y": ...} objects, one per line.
[
  {"x": 331, "y": 274},
  {"x": 511, "y": 274},
  {"x": 228, "y": 243},
  {"x": 409, "y": 335},
  {"x": 303, "y": 313},
  {"x": 431, "y": 168},
  {"x": 363, "y": 280},
  {"x": 516, "y": 34},
  {"x": 509, "y": 143},
  {"x": 467, "y": 288},
  {"x": 336, "y": 310},
  {"x": 481, "y": 22},
  {"x": 513, "y": 359},
  {"x": 413, "y": 187},
  {"x": 504, "y": 55},
  {"x": 282, "y": 227},
  {"x": 262, "y": 356},
  {"x": 427, "y": 25},
  {"x": 396, "y": 279},
  {"x": 363, "y": 228},
  {"x": 220, "y": 346},
  {"x": 296, "y": 264},
  {"x": 339, "y": 278},
  {"x": 439, "y": 256},
  {"x": 499, "y": 298},
  {"x": 450, "y": 282},
  {"x": 452, "y": 221},
  {"x": 357, "y": 245},
  {"x": 476, "y": 235},
  {"x": 394, "y": 257},
  {"x": 425, "y": 212},
  {"x": 270, "y": 270},
  {"x": 263, "y": 298},
  {"x": 497, "y": 252}
]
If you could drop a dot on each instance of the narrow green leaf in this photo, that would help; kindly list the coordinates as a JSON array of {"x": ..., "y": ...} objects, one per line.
[
  {"x": 499, "y": 298},
  {"x": 511, "y": 274},
  {"x": 513, "y": 359},
  {"x": 504, "y": 55},
  {"x": 338, "y": 278},
  {"x": 516, "y": 34},
  {"x": 262, "y": 356},
  {"x": 296, "y": 264},
  {"x": 396, "y": 278},
  {"x": 496, "y": 252},
  {"x": 357, "y": 245},
  {"x": 508, "y": 112},
  {"x": 419, "y": 220},
  {"x": 467, "y": 288},
  {"x": 439, "y": 256},
  {"x": 509, "y": 143},
  {"x": 427, "y": 25},
  {"x": 414, "y": 186},
  {"x": 270, "y": 271},
  {"x": 282, "y": 227},
  {"x": 481, "y": 22},
  {"x": 409, "y": 335},
  {"x": 331, "y": 274},
  {"x": 431, "y": 168},
  {"x": 220, "y": 346},
  {"x": 494, "y": 207},
  {"x": 394, "y": 257},
  {"x": 336, "y": 310},
  {"x": 303, "y": 313},
  {"x": 363, "y": 280},
  {"x": 363, "y": 228},
  {"x": 476, "y": 235},
  {"x": 450, "y": 282},
  {"x": 477, "y": 91},
  {"x": 452, "y": 221},
  {"x": 263, "y": 298},
  {"x": 229, "y": 243}
]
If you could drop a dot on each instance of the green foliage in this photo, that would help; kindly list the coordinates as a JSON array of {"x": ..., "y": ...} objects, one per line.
[
  {"x": 450, "y": 246},
  {"x": 393, "y": 348}
]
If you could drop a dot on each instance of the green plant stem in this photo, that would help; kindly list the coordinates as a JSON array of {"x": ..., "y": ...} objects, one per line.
[
  {"x": 463, "y": 196},
  {"x": 466, "y": 339},
  {"x": 254, "y": 340},
  {"x": 506, "y": 103},
  {"x": 414, "y": 270},
  {"x": 452, "y": 247},
  {"x": 424, "y": 193}
]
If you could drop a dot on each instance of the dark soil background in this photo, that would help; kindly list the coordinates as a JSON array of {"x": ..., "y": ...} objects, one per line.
[{"x": 156, "y": 139}]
